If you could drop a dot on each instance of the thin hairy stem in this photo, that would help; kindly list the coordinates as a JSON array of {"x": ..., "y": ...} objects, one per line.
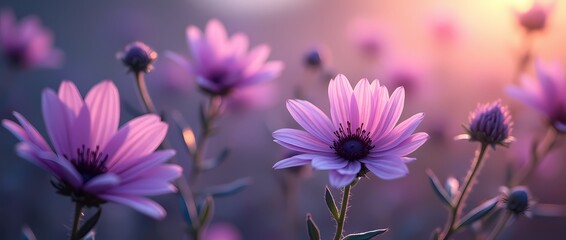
[
  {"x": 343, "y": 209},
  {"x": 456, "y": 211},
  {"x": 76, "y": 221}
]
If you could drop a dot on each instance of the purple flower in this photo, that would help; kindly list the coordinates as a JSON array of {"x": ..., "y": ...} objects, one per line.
[
  {"x": 547, "y": 95},
  {"x": 138, "y": 57},
  {"x": 92, "y": 160},
  {"x": 489, "y": 124},
  {"x": 517, "y": 200},
  {"x": 361, "y": 135},
  {"x": 222, "y": 64},
  {"x": 27, "y": 44},
  {"x": 533, "y": 18}
]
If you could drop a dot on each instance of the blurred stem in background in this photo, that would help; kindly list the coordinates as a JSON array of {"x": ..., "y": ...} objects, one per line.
[
  {"x": 456, "y": 209},
  {"x": 539, "y": 150},
  {"x": 181, "y": 183}
]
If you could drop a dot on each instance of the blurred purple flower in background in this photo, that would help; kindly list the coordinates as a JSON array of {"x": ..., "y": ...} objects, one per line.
[
  {"x": 222, "y": 64},
  {"x": 360, "y": 137},
  {"x": 93, "y": 160},
  {"x": 27, "y": 44},
  {"x": 221, "y": 231},
  {"x": 367, "y": 38},
  {"x": 547, "y": 95},
  {"x": 534, "y": 18},
  {"x": 490, "y": 124},
  {"x": 444, "y": 26}
]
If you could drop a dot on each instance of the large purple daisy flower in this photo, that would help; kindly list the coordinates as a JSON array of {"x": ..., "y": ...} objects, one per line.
[
  {"x": 362, "y": 135},
  {"x": 92, "y": 160}
]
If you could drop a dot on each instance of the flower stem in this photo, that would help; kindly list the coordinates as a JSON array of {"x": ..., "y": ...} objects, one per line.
[
  {"x": 210, "y": 114},
  {"x": 538, "y": 152},
  {"x": 501, "y": 224},
  {"x": 144, "y": 93},
  {"x": 181, "y": 183},
  {"x": 456, "y": 210},
  {"x": 76, "y": 221},
  {"x": 343, "y": 209}
]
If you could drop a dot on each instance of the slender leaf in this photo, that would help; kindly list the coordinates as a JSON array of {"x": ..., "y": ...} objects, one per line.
[
  {"x": 331, "y": 204},
  {"x": 210, "y": 164},
  {"x": 89, "y": 224},
  {"x": 230, "y": 188},
  {"x": 478, "y": 212},
  {"x": 365, "y": 235},
  {"x": 207, "y": 211},
  {"x": 438, "y": 189},
  {"x": 314, "y": 233}
]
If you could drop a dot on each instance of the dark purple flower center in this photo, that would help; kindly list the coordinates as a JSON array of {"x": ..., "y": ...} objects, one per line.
[
  {"x": 350, "y": 145},
  {"x": 90, "y": 163}
]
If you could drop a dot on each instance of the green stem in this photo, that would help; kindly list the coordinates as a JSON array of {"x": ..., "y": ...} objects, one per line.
[
  {"x": 456, "y": 210},
  {"x": 343, "y": 209},
  {"x": 501, "y": 224},
  {"x": 76, "y": 221},
  {"x": 144, "y": 93}
]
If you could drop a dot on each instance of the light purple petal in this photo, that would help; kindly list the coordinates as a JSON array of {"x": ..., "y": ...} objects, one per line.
[
  {"x": 406, "y": 147},
  {"x": 70, "y": 96},
  {"x": 80, "y": 130},
  {"x": 363, "y": 95},
  {"x": 138, "y": 166},
  {"x": 399, "y": 133},
  {"x": 162, "y": 173},
  {"x": 269, "y": 71},
  {"x": 144, "y": 187},
  {"x": 62, "y": 168},
  {"x": 387, "y": 167},
  {"x": 138, "y": 137},
  {"x": 339, "y": 93},
  {"x": 391, "y": 112},
  {"x": 294, "y": 161},
  {"x": 101, "y": 183},
  {"x": 103, "y": 102},
  {"x": 353, "y": 168},
  {"x": 311, "y": 119},
  {"x": 26, "y": 132},
  {"x": 301, "y": 141},
  {"x": 340, "y": 180},
  {"x": 57, "y": 123},
  {"x": 141, "y": 204},
  {"x": 216, "y": 37},
  {"x": 328, "y": 162}
]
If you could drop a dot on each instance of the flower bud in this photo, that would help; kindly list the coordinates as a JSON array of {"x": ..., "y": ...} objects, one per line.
[
  {"x": 534, "y": 18},
  {"x": 490, "y": 124},
  {"x": 138, "y": 57},
  {"x": 518, "y": 200}
]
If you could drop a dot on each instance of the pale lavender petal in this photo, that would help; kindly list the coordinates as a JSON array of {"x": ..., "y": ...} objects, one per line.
[
  {"x": 31, "y": 153},
  {"x": 101, "y": 183},
  {"x": 141, "y": 204},
  {"x": 339, "y": 94},
  {"x": 138, "y": 137},
  {"x": 70, "y": 96},
  {"x": 328, "y": 162},
  {"x": 269, "y": 71},
  {"x": 405, "y": 147},
  {"x": 353, "y": 167},
  {"x": 80, "y": 130},
  {"x": 311, "y": 119},
  {"x": 256, "y": 58},
  {"x": 164, "y": 172},
  {"x": 363, "y": 95},
  {"x": 300, "y": 141},
  {"x": 57, "y": 123},
  {"x": 399, "y": 133},
  {"x": 144, "y": 187},
  {"x": 26, "y": 132},
  {"x": 354, "y": 115},
  {"x": 340, "y": 180},
  {"x": 133, "y": 167},
  {"x": 387, "y": 168},
  {"x": 294, "y": 161},
  {"x": 239, "y": 44},
  {"x": 103, "y": 102},
  {"x": 391, "y": 112},
  {"x": 216, "y": 37}
]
